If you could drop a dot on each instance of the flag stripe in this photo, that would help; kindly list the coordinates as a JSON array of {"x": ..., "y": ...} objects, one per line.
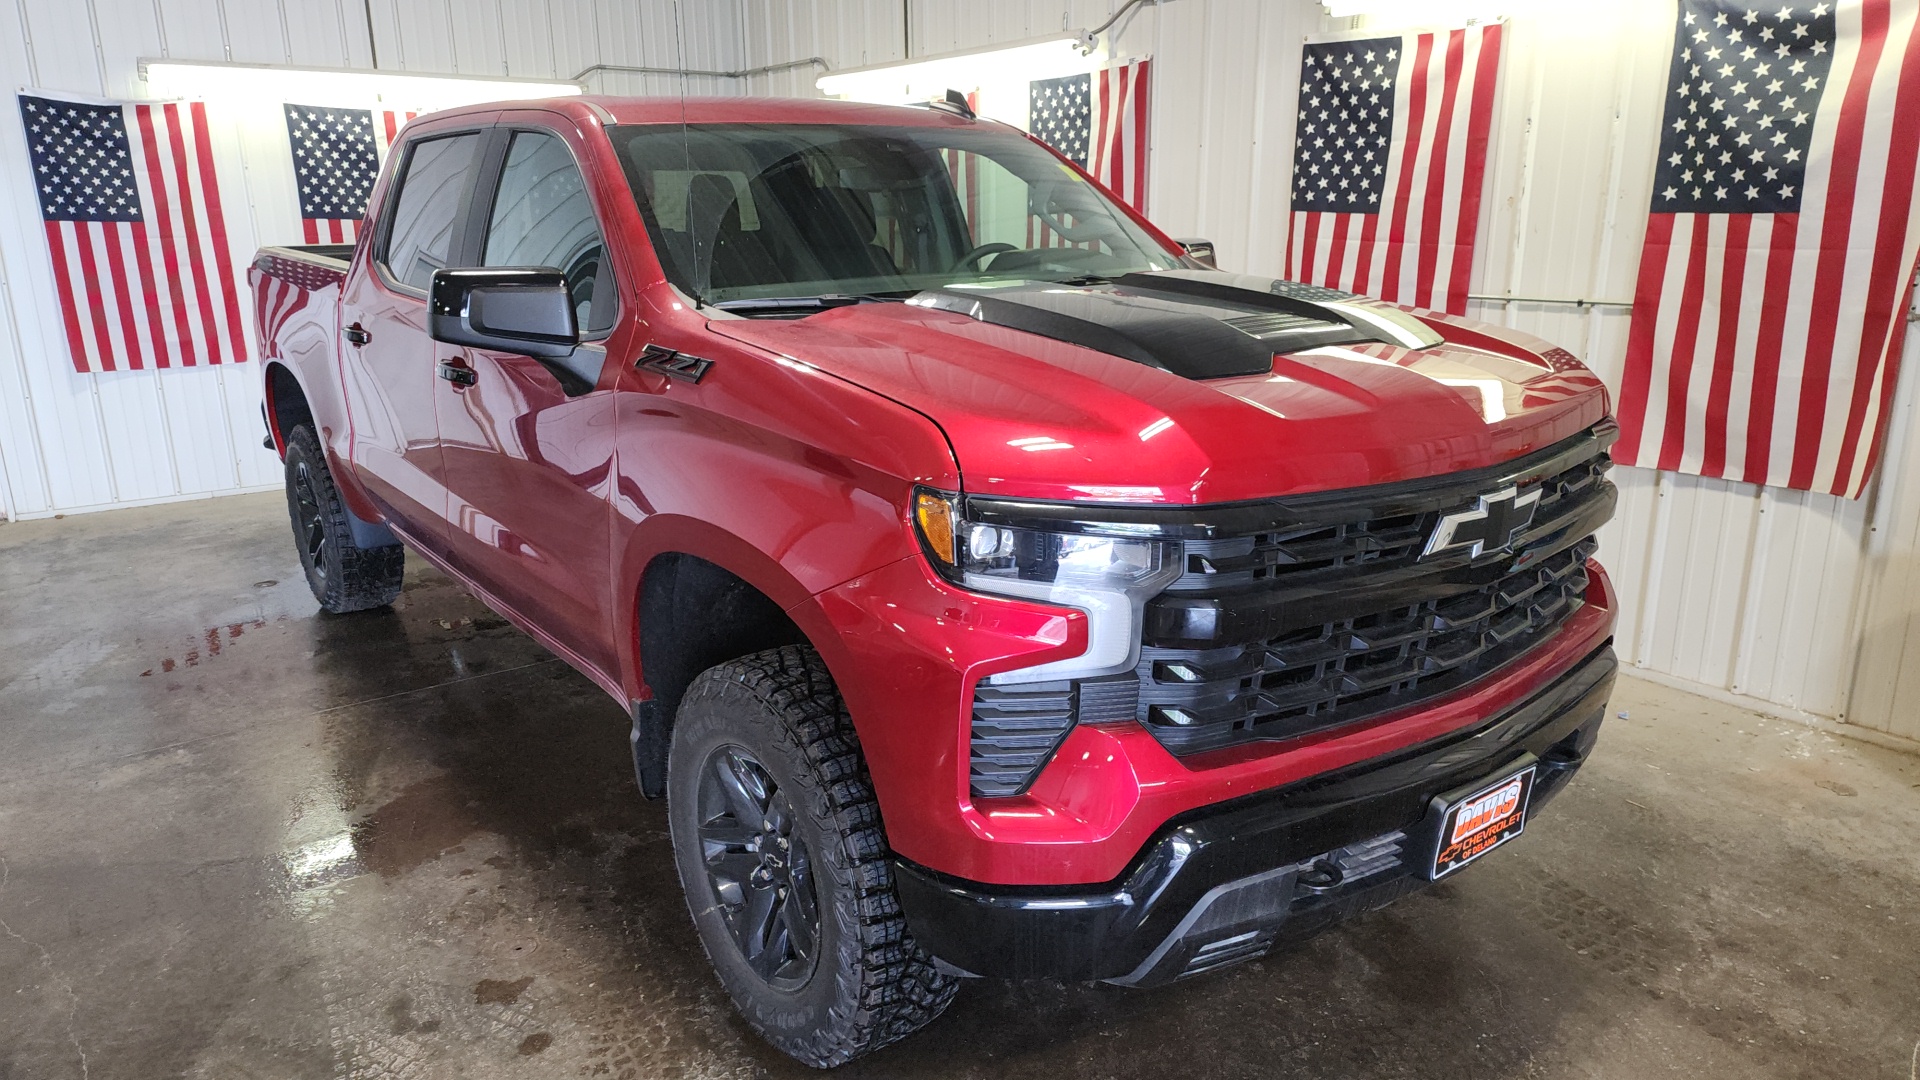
[
  {"x": 56, "y": 247},
  {"x": 177, "y": 136},
  {"x": 139, "y": 238},
  {"x": 1638, "y": 375},
  {"x": 1885, "y": 280},
  {"x": 1467, "y": 199},
  {"x": 1768, "y": 343},
  {"x": 1337, "y": 248},
  {"x": 1686, "y": 339},
  {"x": 129, "y": 344},
  {"x": 216, "y": 236},
  {"x": 1403, "y": 187},
  {"x": 1436, "y": 178},
  {"x": 162, "y": 228},
  {"x": 1830, "y": 274},
  {"x": 1733, "y": 273}
]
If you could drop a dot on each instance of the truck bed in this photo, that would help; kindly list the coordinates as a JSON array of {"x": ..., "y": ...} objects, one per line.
[
  {"x": 296, "y": 292},
  {"x": 336, "y": 256}
]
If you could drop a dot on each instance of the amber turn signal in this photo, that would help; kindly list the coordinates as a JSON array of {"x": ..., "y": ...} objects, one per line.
[{"x": 934, "y": 515}]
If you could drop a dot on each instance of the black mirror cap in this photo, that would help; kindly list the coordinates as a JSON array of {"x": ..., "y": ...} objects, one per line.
[
  {"x": 513, "y": 309},
  {"x": 1200, "y": 251}
]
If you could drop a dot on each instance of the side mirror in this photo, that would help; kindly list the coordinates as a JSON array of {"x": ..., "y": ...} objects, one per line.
[
  {"x": 512, "y": 309},
  {"x": 1200, "y": 251}
]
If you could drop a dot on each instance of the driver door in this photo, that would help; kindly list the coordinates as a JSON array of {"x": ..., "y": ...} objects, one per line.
[{"x": 528, "y": 448}]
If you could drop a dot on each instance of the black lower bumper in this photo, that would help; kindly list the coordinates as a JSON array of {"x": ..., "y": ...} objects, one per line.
[{"x": 1224, "y": 883}]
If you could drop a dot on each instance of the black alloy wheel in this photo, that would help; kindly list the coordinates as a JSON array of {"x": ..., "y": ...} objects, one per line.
[
  {"x": 781, "y": 850},
  {"x": 758, "y": 867},
  {"x": 310, "y": 528},
  {"x": 343, "y": 575}
]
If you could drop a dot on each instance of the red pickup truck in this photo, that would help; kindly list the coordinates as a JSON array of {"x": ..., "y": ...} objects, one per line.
[{"x": 993, "y": 587}]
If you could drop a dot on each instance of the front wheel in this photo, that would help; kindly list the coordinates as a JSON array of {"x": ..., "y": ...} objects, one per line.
[
  {"x": 778, "y": 840},
  {"x": 343, "y": 575}
]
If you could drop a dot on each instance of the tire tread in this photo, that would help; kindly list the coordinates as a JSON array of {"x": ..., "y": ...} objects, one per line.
[{"x": 899, "y": 990}]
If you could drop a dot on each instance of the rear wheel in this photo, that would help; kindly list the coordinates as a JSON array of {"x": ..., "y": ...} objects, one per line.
[
  {"x": 780, "y": 849},
  {"x": 343, "y": 575}
]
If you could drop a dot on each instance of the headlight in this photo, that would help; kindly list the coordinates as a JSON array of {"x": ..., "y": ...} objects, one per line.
[{"x": 1109, "y": 577}]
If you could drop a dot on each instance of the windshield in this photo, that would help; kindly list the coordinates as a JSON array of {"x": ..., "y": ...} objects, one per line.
[{"x": 742, "y": 214}]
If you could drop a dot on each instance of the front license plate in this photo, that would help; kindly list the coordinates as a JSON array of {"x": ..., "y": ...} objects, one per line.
[{"x": 1481, "y": 820}]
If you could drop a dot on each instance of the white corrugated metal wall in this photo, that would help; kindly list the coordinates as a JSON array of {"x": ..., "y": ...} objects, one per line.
[
  {"x": 1802, "y": 602},
  {"x": 1776, "y": 595},
  {"x": 74, "y": 442}
]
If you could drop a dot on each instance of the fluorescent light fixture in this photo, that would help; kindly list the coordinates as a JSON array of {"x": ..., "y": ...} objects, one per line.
[
  {"x": 1416, "y": 12},
  {"x": 931, "y": 77},
  {"x": 333, "y": 86}
]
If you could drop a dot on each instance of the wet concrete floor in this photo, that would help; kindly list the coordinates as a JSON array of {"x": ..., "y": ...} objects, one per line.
[{"x": 242, "y": 839}]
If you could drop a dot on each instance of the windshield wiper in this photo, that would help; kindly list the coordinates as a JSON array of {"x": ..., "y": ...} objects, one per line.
[
  {"x": 766, "y": 305},
  {"x": 1083, "y": 279}
]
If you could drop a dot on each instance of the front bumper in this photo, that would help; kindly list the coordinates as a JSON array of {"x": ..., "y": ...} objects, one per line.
[{"x": 1224, "y": 883}]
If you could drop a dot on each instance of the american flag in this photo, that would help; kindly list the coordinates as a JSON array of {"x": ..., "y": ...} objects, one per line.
[
  {"x": 132, "y": 212},
  {"x": 1780, "y": 249},
  {"x": 336, "y": 158},
  {"x": 1099, "y": 120},
  {"x": 1390, "y": 148}
]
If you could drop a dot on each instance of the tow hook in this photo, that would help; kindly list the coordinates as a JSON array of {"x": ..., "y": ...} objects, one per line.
[{"x": 1324, "y": 875}]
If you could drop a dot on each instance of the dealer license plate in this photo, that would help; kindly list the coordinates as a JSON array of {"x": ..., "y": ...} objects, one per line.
[{"x": 1479, "y": 821}]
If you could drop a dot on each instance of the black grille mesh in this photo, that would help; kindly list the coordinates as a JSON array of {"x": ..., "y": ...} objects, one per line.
[
  {"x": 1320, "y": 676},
  {"x": 1338, "y": 548}
]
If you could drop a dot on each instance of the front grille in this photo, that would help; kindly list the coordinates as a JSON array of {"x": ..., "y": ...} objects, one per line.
[
  {"x": 1333, "y": 548},
  {"x": 1320, "y": 676},
  {"x": 1329, "y": 613},
  {"x": 1298, "y": 615}
]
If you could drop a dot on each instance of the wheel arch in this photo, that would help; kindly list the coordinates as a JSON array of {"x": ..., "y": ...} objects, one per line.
[
  {"x": 701, "y": 596},
  {"x": 286, "y": 404}
]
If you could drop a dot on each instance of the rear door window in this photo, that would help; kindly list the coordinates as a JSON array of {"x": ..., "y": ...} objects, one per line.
[{"x": 421, "y": 229}]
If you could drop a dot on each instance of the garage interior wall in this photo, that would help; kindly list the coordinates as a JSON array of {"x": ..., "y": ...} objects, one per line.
[
  {"x": 1799, "y": 603},
  {"x": 76, "y": 442}
]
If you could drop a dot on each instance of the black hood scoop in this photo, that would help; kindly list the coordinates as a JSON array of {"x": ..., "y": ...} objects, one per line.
[{"x": 1196, "y": 324}]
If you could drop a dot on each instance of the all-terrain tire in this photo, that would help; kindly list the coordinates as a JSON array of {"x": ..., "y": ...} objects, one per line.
[
  {"x": 868, "y": 984},
  {"x": 343, "y": 575}
]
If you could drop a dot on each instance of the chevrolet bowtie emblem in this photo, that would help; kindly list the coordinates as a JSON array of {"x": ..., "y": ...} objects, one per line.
[{"x": 1487, "y": 526}]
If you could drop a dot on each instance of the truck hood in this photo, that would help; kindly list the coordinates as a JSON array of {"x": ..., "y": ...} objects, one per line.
[{"x": 1194, "y": 387}]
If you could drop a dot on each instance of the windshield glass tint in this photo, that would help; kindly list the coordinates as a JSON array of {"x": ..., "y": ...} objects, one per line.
[{"x": 745, "y": 211}]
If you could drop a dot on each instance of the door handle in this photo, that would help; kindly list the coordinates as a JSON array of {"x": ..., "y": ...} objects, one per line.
[
  {"x": 357, "y": 335},
  {"x": 456, "y": 371}
]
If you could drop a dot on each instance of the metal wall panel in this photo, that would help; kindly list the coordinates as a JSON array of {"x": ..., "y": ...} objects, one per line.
[
  {"x": 1772, "y": 594},
  {"x": 75, "y": 442},
  {"x": 1804, "y": 601}
]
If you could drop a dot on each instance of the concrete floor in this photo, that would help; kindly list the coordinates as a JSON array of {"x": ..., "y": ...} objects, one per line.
[{"x": 239, "y": 839}]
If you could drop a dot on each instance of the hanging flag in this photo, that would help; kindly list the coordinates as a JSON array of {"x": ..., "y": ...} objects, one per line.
[
  {"x": 1780, "y": 248},
  {"x": 1099, "y": 120},
  {"x": 131, "y": 207},
  {"x": 1390, "y": 150},
  {"x": 336, "y": 159}
]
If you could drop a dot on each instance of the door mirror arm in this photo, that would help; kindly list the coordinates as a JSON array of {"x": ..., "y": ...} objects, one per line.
[
  {"x": 523, "y": 310},
  {"x": 516, "y": 309}
]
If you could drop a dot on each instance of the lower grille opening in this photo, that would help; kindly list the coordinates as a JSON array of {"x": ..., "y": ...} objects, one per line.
[{"x": 1018, "y": 726}]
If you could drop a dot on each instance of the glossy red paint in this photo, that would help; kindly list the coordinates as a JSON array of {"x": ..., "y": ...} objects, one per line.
[
  {"x": 907, "y": 650},
  {"x": 1119, "y": 431},
  {"x": 791, "y": 464}
]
